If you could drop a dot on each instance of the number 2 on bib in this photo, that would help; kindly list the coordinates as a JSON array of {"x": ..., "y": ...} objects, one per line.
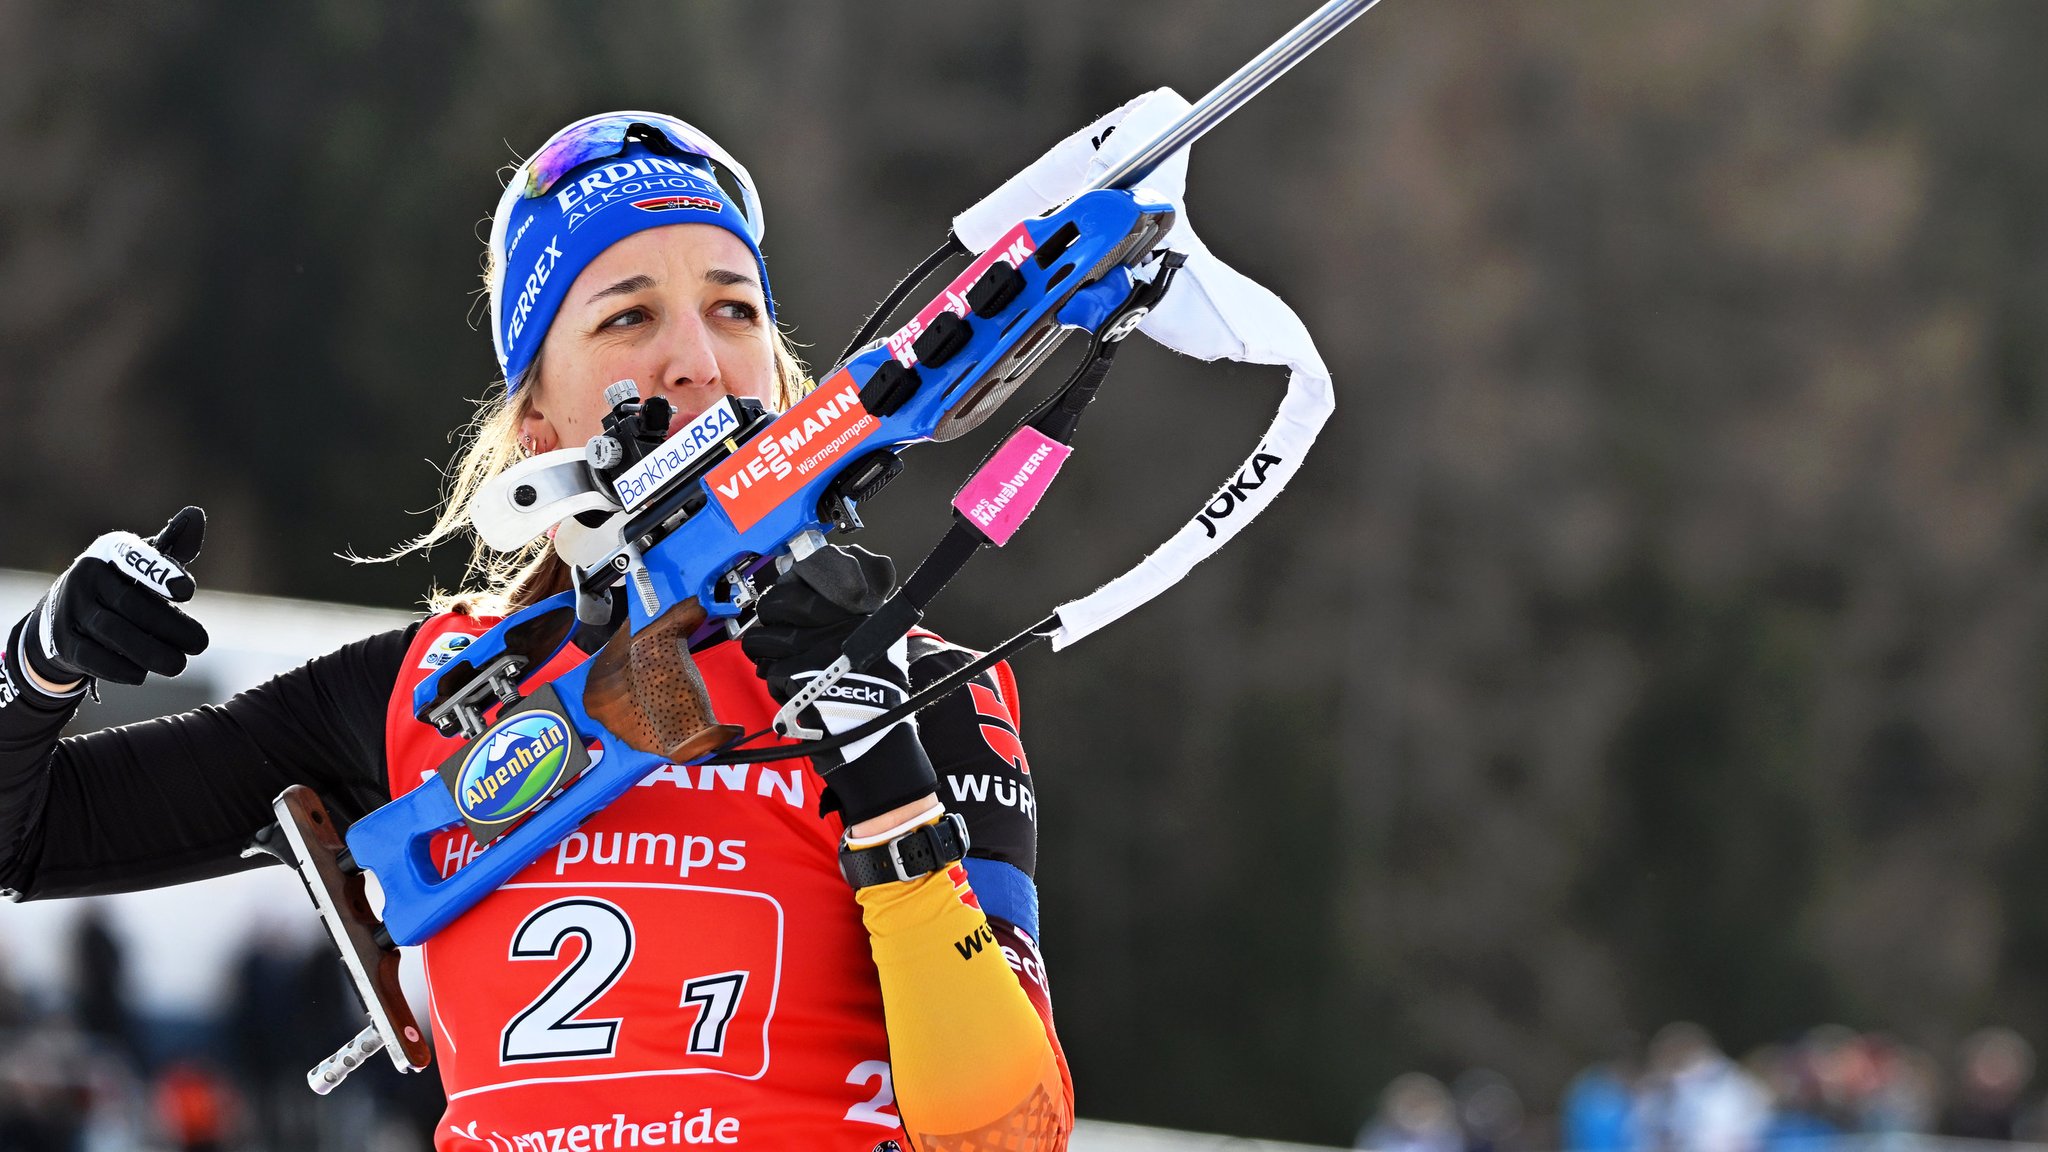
[{"x": 548, "y": 1029}]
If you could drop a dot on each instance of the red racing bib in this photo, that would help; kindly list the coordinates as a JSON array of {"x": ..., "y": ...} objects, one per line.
[{"x": 686, "y": 969}]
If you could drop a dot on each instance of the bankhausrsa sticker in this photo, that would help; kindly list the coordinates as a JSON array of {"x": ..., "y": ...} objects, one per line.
[{"x": 675, "y": 454}]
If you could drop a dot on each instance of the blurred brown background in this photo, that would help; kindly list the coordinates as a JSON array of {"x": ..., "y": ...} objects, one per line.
[{"x": 1658, "y": 633}]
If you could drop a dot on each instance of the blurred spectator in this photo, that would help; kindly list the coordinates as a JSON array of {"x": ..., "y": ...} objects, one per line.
[
  {"x": 192, "y": 1108},
  {"x": 13, "y": 1004},
  {"x": 1836, "y": 1072},
  {"x": 45, "y": 1090},
  {"x": 1833, "y": 1084},
  {"x": 1995, "y": 1068},
  {"x": 99, "y": 991},
  {"x": 1695, "y": 1099},
  {"x": 1489, "y": 1111},
  {"x": 1416, "y": 1115},
  {"x": 1599, "y": 1111},
  {"x": 1901, "y": 1095},
  {"x": 1798, "y": 1105},
  {"x": 291, "y": 1008}
]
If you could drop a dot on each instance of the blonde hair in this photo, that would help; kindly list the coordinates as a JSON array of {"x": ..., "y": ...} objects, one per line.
[{"x": 500, "y": 583}]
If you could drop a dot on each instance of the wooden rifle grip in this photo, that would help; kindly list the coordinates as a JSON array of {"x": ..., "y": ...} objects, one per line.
[{"x": 647, "y": 689}]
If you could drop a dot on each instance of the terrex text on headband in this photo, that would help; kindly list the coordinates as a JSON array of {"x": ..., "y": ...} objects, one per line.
[{"x": 591, "y": 185}]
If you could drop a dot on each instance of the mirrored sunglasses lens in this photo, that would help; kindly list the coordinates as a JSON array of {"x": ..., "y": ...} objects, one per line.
[
  {"x": 573, "y": 147},
  {"x": 600, "y": 138},
  {"x": 597, "y": 139},
  {"x": 683, "y": 136}
]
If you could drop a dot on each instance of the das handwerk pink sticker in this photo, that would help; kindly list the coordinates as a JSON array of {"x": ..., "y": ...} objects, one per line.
[{"x": 999, "y": 497}]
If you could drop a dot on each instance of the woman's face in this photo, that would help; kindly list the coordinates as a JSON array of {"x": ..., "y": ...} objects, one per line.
[{"x": 678, "y": 310}]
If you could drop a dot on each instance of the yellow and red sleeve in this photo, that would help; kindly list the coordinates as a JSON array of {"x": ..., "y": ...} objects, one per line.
[{"x": 976, "y": 1063}]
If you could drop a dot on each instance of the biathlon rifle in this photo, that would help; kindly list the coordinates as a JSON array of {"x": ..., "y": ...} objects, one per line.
[{"x": 687, "y": 518}]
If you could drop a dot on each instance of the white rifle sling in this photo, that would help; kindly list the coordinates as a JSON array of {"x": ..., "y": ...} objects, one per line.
[{"x": 1213, "y": 312}]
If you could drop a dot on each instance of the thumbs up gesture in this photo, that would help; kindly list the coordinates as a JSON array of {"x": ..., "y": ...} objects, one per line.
[{"x": 113, "y": 615}]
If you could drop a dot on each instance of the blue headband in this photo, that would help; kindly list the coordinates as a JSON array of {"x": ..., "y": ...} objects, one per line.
[{"x": 542, "y": 243}]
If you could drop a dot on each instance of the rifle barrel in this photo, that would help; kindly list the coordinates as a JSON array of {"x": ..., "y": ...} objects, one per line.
[{"x": 1241, "y": 86}]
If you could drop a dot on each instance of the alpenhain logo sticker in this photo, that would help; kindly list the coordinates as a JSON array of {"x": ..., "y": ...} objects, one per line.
[{"x": 770, "y": 468}]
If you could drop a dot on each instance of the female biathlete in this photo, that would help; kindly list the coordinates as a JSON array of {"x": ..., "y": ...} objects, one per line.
[{"x": 694, "y": 966}]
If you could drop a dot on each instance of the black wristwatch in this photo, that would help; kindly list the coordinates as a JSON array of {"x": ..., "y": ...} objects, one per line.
[{"x": 918, "y": 852}]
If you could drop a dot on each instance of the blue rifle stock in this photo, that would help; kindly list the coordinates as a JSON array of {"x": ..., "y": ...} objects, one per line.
[{"x": 687, "y": 545}]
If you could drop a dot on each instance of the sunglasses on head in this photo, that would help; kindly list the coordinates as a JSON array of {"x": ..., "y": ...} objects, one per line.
[{"x": 601, "y": 137}]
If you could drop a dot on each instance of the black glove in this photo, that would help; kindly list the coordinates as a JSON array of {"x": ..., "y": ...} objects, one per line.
[
  {"x": 803, "y": 621},
  {"x": 112, "y": 615}
]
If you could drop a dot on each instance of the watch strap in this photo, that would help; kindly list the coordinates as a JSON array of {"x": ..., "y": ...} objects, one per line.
[{"x": 919, "y": 852}]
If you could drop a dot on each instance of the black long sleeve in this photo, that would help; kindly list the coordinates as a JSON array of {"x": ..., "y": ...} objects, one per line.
[{"x": 175, "y": 799}]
